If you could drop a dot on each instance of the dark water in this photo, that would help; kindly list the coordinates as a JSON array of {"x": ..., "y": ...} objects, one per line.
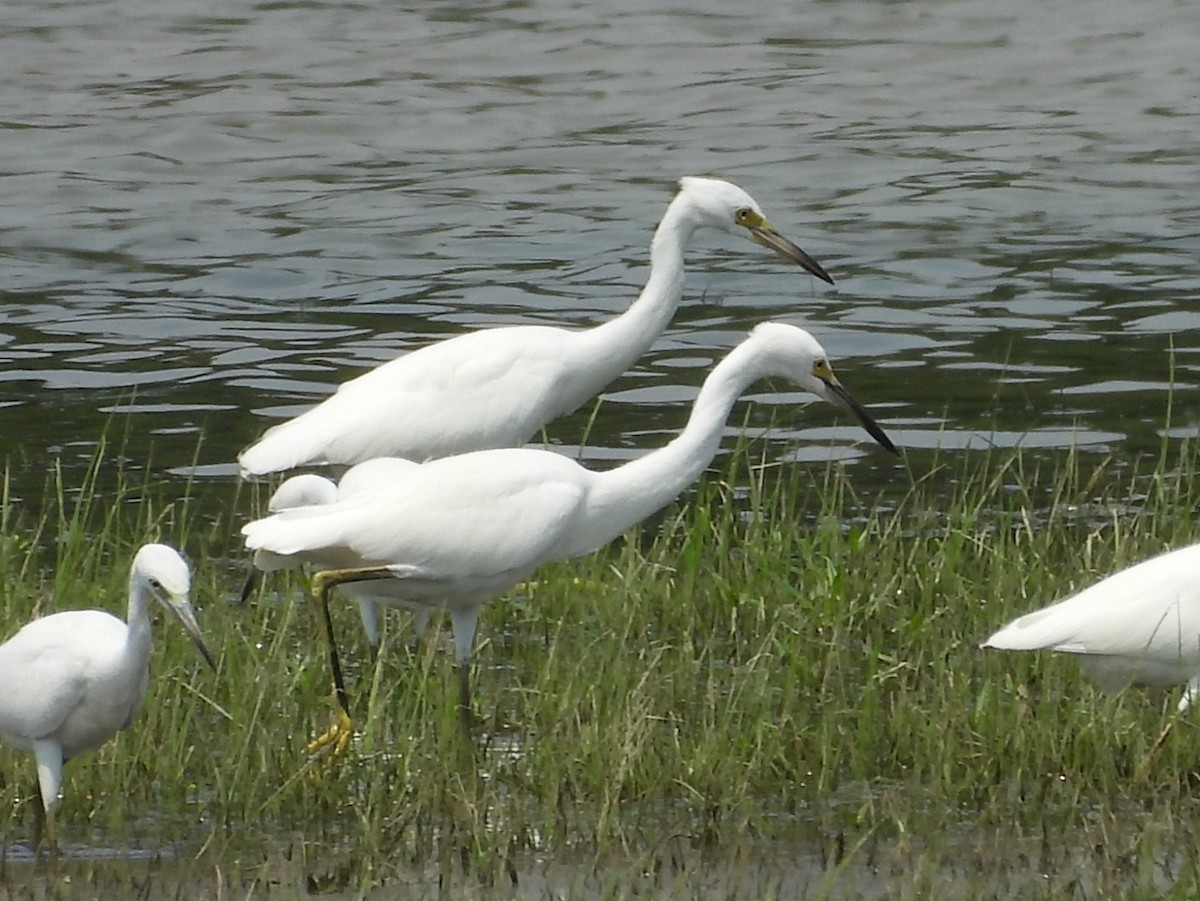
[{"x": 208, "y": 217}]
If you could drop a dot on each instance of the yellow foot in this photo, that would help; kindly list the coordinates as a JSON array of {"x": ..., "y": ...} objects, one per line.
[{"x": 330, "y": 745}]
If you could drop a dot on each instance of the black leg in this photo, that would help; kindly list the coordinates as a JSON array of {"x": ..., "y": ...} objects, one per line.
[
  {"x": 464, "y": 697},
  {"x": 335, "y": 739}
]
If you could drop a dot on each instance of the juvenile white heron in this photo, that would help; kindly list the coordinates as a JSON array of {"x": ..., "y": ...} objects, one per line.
[
  {"x": 497, "y": 387},
  {"x": 457, "y": 531},
  {"x": 77, "y": 678}
]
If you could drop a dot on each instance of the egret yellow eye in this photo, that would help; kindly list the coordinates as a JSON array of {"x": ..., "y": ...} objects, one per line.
[{"x": 743, "y": 216}]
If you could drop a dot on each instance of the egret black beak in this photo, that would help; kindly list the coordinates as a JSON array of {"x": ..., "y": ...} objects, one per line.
[
  {"x": 182, "y": 608},
  {"x": 766, "y": 236},
  {"x": 251, "y": 583},
  {"x": 840, "y": 397}
]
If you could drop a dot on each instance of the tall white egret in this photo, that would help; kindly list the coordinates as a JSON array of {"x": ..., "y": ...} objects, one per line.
[
  {"x": 457, "y": 531},
  {"x": 497, "y": 387},
  {"x": 77, "y": 678}
]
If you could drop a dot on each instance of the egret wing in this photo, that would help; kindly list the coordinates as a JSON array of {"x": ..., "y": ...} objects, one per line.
[
  {"x": 1149, "y": 610},
  {"x": 469, "y": 516},
  {"x": 480, "y": 390},
  {"x": 49, "y": 665}
]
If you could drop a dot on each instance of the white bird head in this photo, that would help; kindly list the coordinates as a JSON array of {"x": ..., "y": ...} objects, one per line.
[
  {"x": 307, "y": 490},
  {"x": 162, "y": 573},
  {"x": 791, "y": 352},
  {"x": 720, "y": 204}
]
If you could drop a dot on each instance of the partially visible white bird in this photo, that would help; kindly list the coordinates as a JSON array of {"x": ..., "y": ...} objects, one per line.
[
  {"x": 310, "y": 490},
  {"x": 77, "y": 678},
  {"x": 497, "y": 387},
  {"x": 1140, "y": 625},
  {"x": 457, "y": 531}
]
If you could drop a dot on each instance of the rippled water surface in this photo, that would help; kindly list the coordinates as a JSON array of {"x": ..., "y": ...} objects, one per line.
[{"x": 211, "y": 215}]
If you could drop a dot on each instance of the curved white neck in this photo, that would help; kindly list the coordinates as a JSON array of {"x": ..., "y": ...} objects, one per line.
[
  {"x": 137, "y": 616},
  {"x": 623, "y": 497},
  {"x": 616, "y": 344}
]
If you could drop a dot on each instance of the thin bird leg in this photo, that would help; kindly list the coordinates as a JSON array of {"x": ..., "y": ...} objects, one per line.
[
  {"x": 334, "y": 740},
  {"x": 464, "y": 697},
  {"x": 48, "y": 755},
  {"x": 52, "y": 839},
  {"x": 420, "y": 625},
  {"x": 464, "y": 620},
  {"x": 39, "y": 821}
]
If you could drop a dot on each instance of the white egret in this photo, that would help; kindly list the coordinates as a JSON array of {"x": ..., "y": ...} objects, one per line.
[
  {"x": 77, "y": 678},
  {"x": 1138, "y": 626},
  {"x": 310, "y": 490},
  {"x": 496, "y": 388},
  {"x": 457, "y": 531}
]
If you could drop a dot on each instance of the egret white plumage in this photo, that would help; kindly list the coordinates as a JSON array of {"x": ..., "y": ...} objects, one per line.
[
  {"x": 305, "y": 490},
  {"x": 77, "y": 678},
  {"x": 1140, "y": 625},
  {"x": 496, "y": 388},
  {"x": 457, "y": 531},
  {"x": 310, "y": 490}
]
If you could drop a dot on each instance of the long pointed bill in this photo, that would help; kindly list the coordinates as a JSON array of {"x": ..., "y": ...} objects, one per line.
[
  {"x": 840, "y": 397},
  {"x": 182, "y": 608},
  {"x": 251, "y": 583},
  {"x": 768, "y": 237}
]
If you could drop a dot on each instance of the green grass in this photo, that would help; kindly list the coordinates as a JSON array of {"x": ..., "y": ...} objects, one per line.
[{"x": 773, "y": 690}]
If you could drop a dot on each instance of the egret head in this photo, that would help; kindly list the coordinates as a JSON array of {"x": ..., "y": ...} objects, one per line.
[
  {"x": 795, "y": 354},
  {"x": 161, "y": 572},
  {"x": 726, "y": 206}
]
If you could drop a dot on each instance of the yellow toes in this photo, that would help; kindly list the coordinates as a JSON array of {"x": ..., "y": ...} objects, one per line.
[{"x": 331, "y": 744}]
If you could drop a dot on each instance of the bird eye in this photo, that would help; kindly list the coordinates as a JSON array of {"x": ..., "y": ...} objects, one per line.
[
  {"x": 742, "y": 216},
  {"x": 155, "y": 584},
  {"x": 821, "y": 367}
]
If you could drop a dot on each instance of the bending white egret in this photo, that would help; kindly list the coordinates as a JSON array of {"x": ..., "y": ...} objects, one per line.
[
  {"x": 457, "y": 531},
  {"x": 496, "y": 388},
  {"x": 77, "y": 678},
  {"x": 1140, "y": 625}
]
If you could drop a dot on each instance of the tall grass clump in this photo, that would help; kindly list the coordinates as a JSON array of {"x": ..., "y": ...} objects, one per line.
[{"x": 774, "y": 689}]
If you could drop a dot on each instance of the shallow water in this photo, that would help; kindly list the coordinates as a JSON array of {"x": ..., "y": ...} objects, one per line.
[{"x": 210, "y": 219}]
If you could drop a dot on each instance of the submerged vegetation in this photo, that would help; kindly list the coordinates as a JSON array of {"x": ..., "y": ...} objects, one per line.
[{"x": 772, "y": 691}]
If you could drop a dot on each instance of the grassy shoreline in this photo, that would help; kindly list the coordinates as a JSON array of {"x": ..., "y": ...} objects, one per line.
[{"x": 773, "y": 690}]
